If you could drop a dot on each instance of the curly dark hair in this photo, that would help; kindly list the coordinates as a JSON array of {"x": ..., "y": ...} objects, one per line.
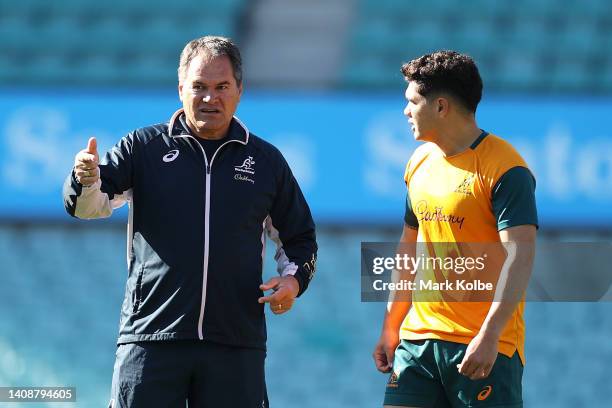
[{"x": 446, "y": 72}]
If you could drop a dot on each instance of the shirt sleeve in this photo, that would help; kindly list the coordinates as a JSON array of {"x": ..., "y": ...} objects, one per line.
[
  {"x": 513, "y": 199},
  {"x": 409, "y": 217}
]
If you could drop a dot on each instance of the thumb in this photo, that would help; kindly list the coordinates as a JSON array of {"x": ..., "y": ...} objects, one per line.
[
  {"x": 271, "y": 283},
  {"x": 92, "y": 146},
  {"x": 461, "y": 363},
  {"x": 390, "y": 357}
]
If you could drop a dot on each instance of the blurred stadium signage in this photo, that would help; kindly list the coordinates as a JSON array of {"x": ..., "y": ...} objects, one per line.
[{"x": 347, "y": 150}]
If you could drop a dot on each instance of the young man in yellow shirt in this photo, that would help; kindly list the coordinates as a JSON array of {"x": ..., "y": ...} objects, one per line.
[{"x": 464, "y": 186}]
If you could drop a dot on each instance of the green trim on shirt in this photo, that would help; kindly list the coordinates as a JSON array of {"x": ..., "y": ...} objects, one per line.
[
  {"x": 513, "y": 199},
  {"x": 409, "y": 217},
  {"x": 479, "y": 139}
]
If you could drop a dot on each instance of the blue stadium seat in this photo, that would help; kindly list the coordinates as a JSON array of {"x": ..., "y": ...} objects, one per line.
[
  {"x": 578, "y": 39},
  {"x": 17, "y": 33},
  {"x": 20, "y": 8},
  {"x": 371, "y": 72},
  {"x": 11, "y": 69},
  {"x": 602, "y": 82},
  {"x": 570, "y": 75},
  {"x": 528, "y": 35},
  {"x": 111, "y": 34},
  {"x": 150, "y": 68},
  {"x": 62, "y": 34},
  {"x": 519, "y": 71},
  {"x": 506, "y": 38},
  {"x": 408, "y": 12},
  {"x": 475, "y": 37}
]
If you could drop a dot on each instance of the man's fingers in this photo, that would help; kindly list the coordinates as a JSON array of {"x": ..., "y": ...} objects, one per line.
[
  {"x": 380, "y": 358},
  {"x": 468, "y": 368},
  {"x": 383, "y": 360},
  {"x": 477, "y": 374},
  {"x": 276, "y": 298},
  {"x": 383, "y": 367},
  {"x": 86, "y": 158},
  {"x": 486, "y": 371},
  {"x": 92, "y": 146},
  {"x": 281, "y": 299},
  {"x": 280, "y": 296},
  {"x": 463, "y": 366},
  {"x": 279, "y": 302},
  {"x": 280, "y": 308},
  {"x": 86, "y": 175},
  {"x": 382, "y": 364},
  {"x": 270, "y": 284},
  {"x": 268, "y": 299},
  {"x": 85, "y": 172},
  {"x": 390, "y": 357}
]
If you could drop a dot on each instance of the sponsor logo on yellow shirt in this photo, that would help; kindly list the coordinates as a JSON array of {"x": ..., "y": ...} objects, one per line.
[{"x": 424, "y": 213}]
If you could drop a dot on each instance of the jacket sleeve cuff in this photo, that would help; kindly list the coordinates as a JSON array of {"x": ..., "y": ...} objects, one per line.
[{"x": 304, "y": 275}]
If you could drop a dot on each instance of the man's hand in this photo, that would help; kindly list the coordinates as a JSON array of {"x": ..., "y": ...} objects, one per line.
[
  {"x": 384, "y": 352},
  {"x": 86, "y": 162},
  {"x": 285, "y": 289},
  {"x": 480, "y": 356}
]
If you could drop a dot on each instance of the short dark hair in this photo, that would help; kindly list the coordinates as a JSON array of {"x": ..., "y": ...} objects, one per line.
[
  {"x": 446, "y": 72},
  {"x": 212, "y": 46}
]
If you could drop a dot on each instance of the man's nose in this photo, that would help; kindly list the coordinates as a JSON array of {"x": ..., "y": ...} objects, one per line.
[
  {"x": 407, "y": 112},
  {"x": 207, "y": 98}
]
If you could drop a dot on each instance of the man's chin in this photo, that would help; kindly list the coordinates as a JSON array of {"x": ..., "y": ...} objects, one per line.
[
  {"x": 206, "y": 125},
  {"x": 419, "y": 137}
]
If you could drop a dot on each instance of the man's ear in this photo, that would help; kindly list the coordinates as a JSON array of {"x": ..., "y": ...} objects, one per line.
[
  {"x": 180, "y": 91},
  {"x": 442, "y": 106}
]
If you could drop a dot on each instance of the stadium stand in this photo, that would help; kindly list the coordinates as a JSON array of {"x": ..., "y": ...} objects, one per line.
[
  {"x": 65, "y": 287},
  {"x": 74, "y": 42},
  {"x": 527, "y": 45},
  {"x": 541, "y": 45}
]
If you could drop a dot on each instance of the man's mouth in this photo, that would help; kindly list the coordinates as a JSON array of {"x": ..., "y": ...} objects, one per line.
[{"x": 209, "y": 110}]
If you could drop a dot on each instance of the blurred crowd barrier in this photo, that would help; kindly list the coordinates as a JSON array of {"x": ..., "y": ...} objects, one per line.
[{"x": 62, "y": 287}]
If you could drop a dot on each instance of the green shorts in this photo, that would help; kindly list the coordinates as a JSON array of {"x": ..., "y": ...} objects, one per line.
[{"x": 425, "y": 375}]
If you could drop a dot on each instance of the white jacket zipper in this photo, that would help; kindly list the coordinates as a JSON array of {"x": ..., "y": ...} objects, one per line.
[
  {"x": 206, "y": 210},
  {"x": 207, "y": 232}
]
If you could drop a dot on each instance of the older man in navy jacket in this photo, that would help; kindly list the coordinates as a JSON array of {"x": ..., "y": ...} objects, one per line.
[{"x": 202, "y": 193}]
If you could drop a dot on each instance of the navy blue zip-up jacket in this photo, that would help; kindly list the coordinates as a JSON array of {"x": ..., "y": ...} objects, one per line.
[{"x": 196, "y": 231}]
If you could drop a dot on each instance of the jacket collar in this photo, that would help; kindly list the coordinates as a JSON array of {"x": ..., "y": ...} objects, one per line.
[{"x": 237, "y": 130}]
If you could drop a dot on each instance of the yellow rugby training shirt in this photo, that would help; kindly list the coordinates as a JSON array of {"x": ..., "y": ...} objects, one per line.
[{"x": 466, "y": 198}]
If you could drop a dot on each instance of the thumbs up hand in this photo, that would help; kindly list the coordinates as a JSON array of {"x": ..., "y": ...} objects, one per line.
[{"x": 86, "y": 162}]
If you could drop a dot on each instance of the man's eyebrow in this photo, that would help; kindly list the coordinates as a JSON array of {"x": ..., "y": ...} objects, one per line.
[{"x": 197, "y": 81}]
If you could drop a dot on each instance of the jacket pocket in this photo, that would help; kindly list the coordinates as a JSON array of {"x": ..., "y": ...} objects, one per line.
[{"x": 137, "y": 299}]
